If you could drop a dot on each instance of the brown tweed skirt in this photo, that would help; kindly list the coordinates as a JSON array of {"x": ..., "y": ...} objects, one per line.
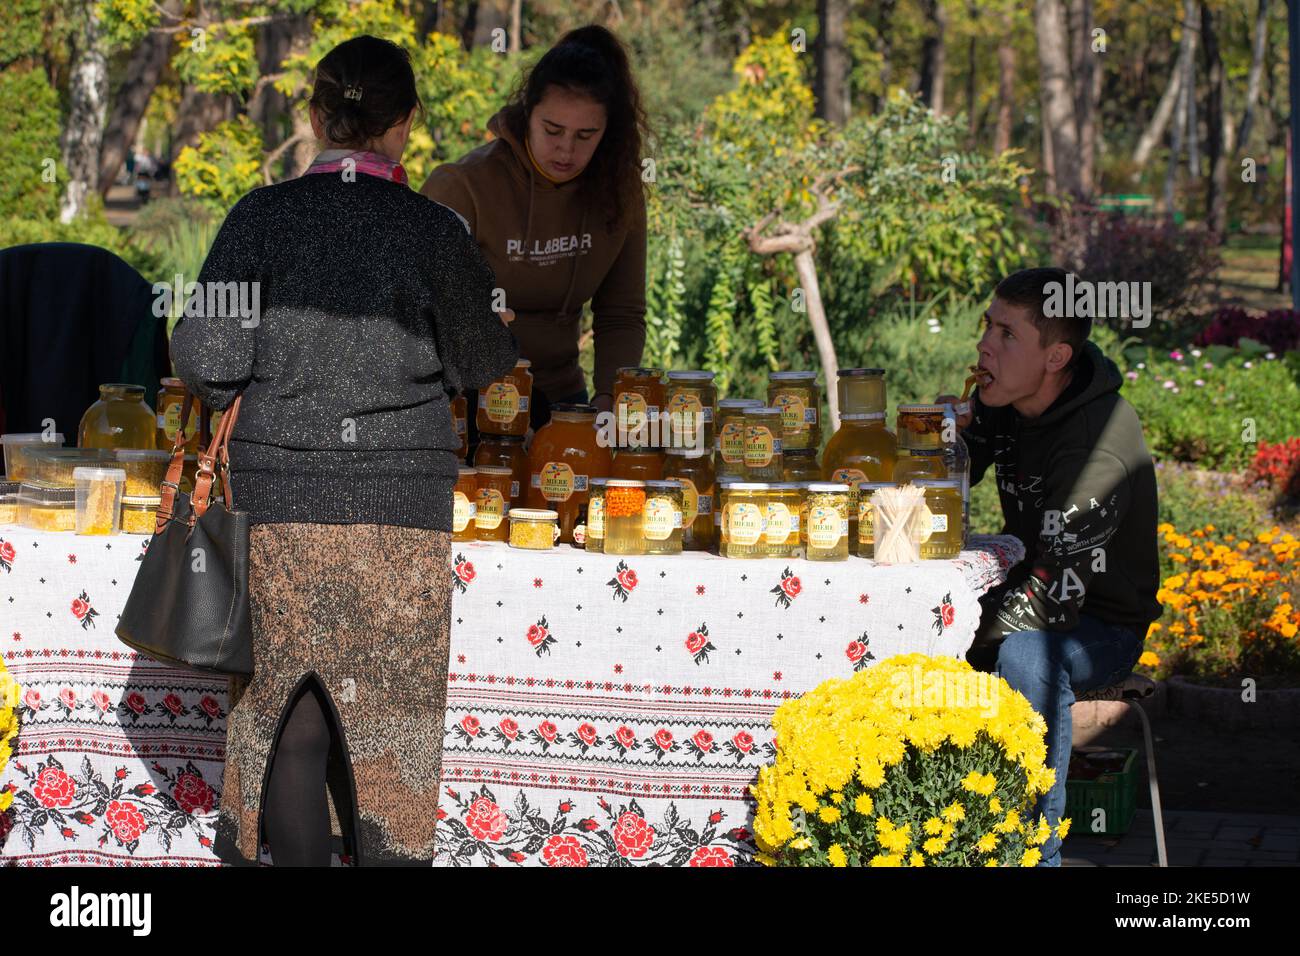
[{"x": 365, "y": 610}]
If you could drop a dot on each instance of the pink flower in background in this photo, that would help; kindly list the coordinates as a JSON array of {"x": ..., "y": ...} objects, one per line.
[
  {"x": 1131, "y": 376},
  {"x": 1176, "y": 355},
  {"x": 1169, "y": 383}
]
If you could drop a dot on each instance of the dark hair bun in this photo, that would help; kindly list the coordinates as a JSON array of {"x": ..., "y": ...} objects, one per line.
[{"x": 363, "y": 88}]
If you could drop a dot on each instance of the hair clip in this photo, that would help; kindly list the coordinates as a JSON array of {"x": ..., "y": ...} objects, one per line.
[{"x": 351, "y": 92}]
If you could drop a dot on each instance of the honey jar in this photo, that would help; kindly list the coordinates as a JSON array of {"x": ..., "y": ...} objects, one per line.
[
  {"x": 691, "y": 401},
  {"x": 826, "y": 522},
  {"x": 504, "y": 405},
  {"x": 920, "y": 443},
  {"x": 866, "y": 521},
  {"x": 624, "y": 517},
  {"x": 943, "y": 498},
  {"x": 506, "y": 451},
  {"x": 638, "y": 464},
  {"x": 564, "y": 457},
  {"x": 491, "y": 502},
  {"x": 802, "y": 465},
  {"x": 661, "y": 518},
  {"x": 120, "y": 419},
  {"x": 460, "y": 423},
  {"x": 596, "y": 516},
  {"x": 730, "y": 441},
  {"x": 781, "y": 534},
  {"x": 861, "y": 391},
  {"x": 744, "y": 519},
  {"x": 863, "y": 449},
  {"x": 638, "y": 399},
  {"x": 764, "y": 460},
  {"x": 464, "y": 506},
  {"x": 799, "y": 398},
  {"x": 171, "y": 399},
  {"x": 534, "y": 529},
  {"x": 694, "y": 469},
  {"x": 140, "y": 513}
]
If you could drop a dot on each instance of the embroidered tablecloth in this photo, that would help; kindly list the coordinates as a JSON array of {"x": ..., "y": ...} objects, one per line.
[{"x": 601, "y": 710}]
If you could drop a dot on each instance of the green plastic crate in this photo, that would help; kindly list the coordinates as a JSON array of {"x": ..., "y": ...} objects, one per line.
[{"x": 1116, "y": 793}]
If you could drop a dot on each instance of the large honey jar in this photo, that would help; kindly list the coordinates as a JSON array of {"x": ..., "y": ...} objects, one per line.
[
  {"x": 638, "y": 464},
  {"x": 862, "y": 450},
  {"x": 120, "y": 419},
  {"x": 694, "y": 469},
  {"x": 564, "y": 457},
  {"x": 799, "y": 397},
  {"x": 638, "y": 399},
  {"x": 504, "y": 405}
]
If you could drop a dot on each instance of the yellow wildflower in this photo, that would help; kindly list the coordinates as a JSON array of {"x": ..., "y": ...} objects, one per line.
[
  {"x": 1031, "y": 857},
  {"x": 987, "y": 843},
  {"x": 863, "y": 804},
  {"x": 933, "y": 826},
  {"x": 954, "y": 812},
  {"x": 829, "y": 814},
  {"x": 836, "y": 855}
]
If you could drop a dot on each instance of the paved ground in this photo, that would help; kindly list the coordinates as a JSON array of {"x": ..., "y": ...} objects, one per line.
[{"x": 1194, "y": 838}]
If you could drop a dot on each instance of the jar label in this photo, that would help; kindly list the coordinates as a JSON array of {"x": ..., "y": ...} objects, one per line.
[
  {"x": 514, "y": 491},
  {"x": 732, "y": 443},
  {"x": 659, "y": 518},
  {"x": 633, "y": 412},
  {"x": 780, "y": 523},
  {"x": 596, "y": 518},
  {"x": 793, "y": 410},
  {"x": 690, "y": 501},
  {"x": 556, "y": 481},
  {"x": 502, "y": 402},
  {"x": 462, "y": 513},
  {"x": 688, "y": 415},
  {"x": 744, "y": 523},
  {"x": 760, "y": 446},
  {"x": 849, "y": 476},
  {"x": 491, "y": 509},
  {"x": 170, "y": 420},
  {"x": 459, "y": 424},
  {"x": 826, "y": 527}
]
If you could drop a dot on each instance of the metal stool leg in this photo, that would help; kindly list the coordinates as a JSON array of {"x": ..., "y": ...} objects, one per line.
[{"x": 1161, "y": 856}]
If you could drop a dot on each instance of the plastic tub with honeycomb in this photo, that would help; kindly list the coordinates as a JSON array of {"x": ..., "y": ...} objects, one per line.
[
  {"x": 99, "y": 500},
  {"x": 18, "y": 445},
  {"x": 43, "y": 506},
  {"x": 9, "y": 502},
  {"x": 145, "y": 470}
]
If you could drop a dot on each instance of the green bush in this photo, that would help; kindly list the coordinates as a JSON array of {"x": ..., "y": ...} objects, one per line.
[
  {"x": 92, "y": 230},
  {"x": 1193, "y": 498},
  {"x": 29, "y": 142},
  {"x": 1217, "y": 423}
]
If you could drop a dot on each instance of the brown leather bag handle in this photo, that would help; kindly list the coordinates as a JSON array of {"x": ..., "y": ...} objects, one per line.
[
  {"x": 217, "y": 453},
  {"x": 171, "y": 483}
]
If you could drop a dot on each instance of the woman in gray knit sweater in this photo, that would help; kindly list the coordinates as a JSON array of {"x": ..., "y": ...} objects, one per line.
[{"x": 371, "y": 305}]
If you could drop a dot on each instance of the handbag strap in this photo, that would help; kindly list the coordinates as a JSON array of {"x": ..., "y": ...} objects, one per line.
[
  {"x": 216, "y": 455},
  {"x": 171, "y": 483}
]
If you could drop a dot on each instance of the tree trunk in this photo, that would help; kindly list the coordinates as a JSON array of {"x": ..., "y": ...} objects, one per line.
[
  {"x": 1191, "y": 21},
  {"x": 1048, "y": 162},
  {"x": 1006, "y": 87},
  {"x": 832, "y": 86},
  {"x": 1256, "y": 71},
  {"x": 1216, "y": 198},
  {"x": 1058, "y": 100},
  {"x": 972, "y": 94},
  {"x": 516, "y": 25},
  {"x": 934, "y": 55},
  {"x": 87, "y": 106},
  {"x": 885, "y": 47},
  {"x": 1180, "y": 124},
  {"x": 1084, "y": 68},
  {"x": 807, "y": 271},
  {"x": 1155, "y": 130},
  {"x": 197, "y": 113}
]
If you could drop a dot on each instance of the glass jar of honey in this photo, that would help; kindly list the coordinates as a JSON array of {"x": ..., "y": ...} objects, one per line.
[
  {"x": 691, "y": 402},
  {"x": 596, "y": 516},
  {"x": 504, "y": 405},
  {"x": 920, "y": 443},
  {"x": 802, "y": 465},
  {"x": 943, "y": 498},
  {"x": 637, "y": 464},
  {"x": 507, "y": 451},
  {"x": 624, "y": 517},
  {"x": 464, "y": 506},
  {"x": 744, "y": 519},
  {"x": 171, "y": 399},
  {"x": 460, "y": 423},
  {"x": 799, "y": 398},
  {"x": 638, "y": 399},
  {"x": 661, "y": 518},
  {"x": 694, "y": 469},
  {"x": 120, "y": 419},
  {"x": 730, "y": 441},
  {"x": 565, "y": 455},
  {"x": 764, "y": 458},
  {"x": 491, "y": 502},
  {"x": 862, "y": 450},
  {"x": 533, "y": 529},
  {"x": 826, "y": 522},
  {"x": 861, "y": 391},
  {"x": 866, "y": 523},
  {"x": 781, "y": 535}
]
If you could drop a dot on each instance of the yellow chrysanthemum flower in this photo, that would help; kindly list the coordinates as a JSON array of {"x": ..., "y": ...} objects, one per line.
[
  {"x": 1063, "y": 828},
  {"x": 886, "y": 859},
  {"x": 933, "y": 826},
  {"x": 863, "y": 804},
  {"x": 837, "y": 798},
  {"x": 1031, "y": 857},
  {"x": 829, "y": 814},
  {"x": 916, "y": 859},
  {"x": 954, "y": 812},
  {"x": 836, "y": 855},
  {"x": 995, "y": 805},
  {"x": 987, "y": 843},
  {"x": 934, "y": 845}
]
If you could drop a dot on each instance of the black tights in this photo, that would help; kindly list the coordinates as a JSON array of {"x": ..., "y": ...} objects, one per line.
[{"x": 296, "y": 815}]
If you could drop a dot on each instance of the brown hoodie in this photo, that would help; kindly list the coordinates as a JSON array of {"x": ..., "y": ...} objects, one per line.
[{"x": 551, "y": 253}]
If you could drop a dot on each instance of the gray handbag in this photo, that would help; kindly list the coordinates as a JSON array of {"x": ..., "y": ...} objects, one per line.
[{"x": 189, "y": 603}]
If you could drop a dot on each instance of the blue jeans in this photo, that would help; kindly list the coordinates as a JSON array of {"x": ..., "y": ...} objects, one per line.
[{"x": 1049, "y": 668}]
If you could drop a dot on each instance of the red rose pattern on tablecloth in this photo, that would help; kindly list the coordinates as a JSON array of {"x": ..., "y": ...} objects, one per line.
[
  {"x": 483, "y": 828},
  {"x": 464, "y": 574},
  {"x": 585, "y": 737},
  {"x": 507, "y": 732},
  {"x": 625, "y": 739},
  {"x": 859, "y": 652},
  {"x": 698, "y": 643},
  {"x": 788, "y": 589},
  {"x": 545, "y": 735},
  {"x": 83, "y": 612},
  {"x": 701, "y": 744},
  {"x": 740, "y": 746},
  {"x": 540, "y": 637},
  {"x": 7, "y": 555},
  {"x": 48, "y": 797},
  {"x": 944, "y": 614},
  {"x": 623, "y": 582}
]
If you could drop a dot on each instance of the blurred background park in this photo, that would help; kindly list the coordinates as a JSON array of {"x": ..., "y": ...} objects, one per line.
[{"x": 911, "y": 152}]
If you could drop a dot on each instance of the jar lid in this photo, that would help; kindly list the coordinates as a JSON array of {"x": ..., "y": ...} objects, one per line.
[
  {"x": 90, "y": 473},
  {"x": 467, "y": 472},
  {"x": 791, "y": 376},
  {"x": 862, "y": 416},
  {"x": 739, "y": 402},
  {"x": 493, "y": 470},
  {"x": 763, "y": 412},
  {"x": 747, "y": 485},
  {"x": 573, "y": 408},
  {"x": 597, "y": 481},
  {"x": 861, "y": 372},
  {"x": 641, "y": 371},
  {"x": 171, "y": 382},
  {"x": 921, "y": 409},
  {"x": 533, "y": 514},
  {"x": 664, "y": 484},
  {"x": 141, "y": 501},
  {"x": 30, "y": 438},
  {"x": 141, "y": 454},
  {"x": 9, "y": 487},
  {"x": 801, "y": 453},
  {"x": 787, "y": 486},
  {"x": 937, "y": 482},
  {"x": 523, "y": 363},
  {"x": 877, "y": 484},
  {"x": 688, "y": 452},
  {"x": 624, "y": 483},
  {"x": 638, "y": 450},
  {"x": 46, "y": 492},
  {"x": 826, "y": 486},
  {"x": 692, "y": 375},
  {"x": 127, "y": 389}
]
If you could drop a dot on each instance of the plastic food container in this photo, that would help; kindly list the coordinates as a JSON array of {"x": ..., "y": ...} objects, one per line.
[
  {"x": 9, "y": 502},
  {"x": 99, "y": 499},
  {"x": 867, "y": 516},
  {"x": 145, "y": 470},
  {"x": 535, "y": 529},
  {"x": 139, "y": 513},
  {"x": 43, "y": 506},
  {"x": 18, "y": 465}
]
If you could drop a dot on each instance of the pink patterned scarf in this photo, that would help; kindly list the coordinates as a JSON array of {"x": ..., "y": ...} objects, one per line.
[{"x": 372, "y": 164}]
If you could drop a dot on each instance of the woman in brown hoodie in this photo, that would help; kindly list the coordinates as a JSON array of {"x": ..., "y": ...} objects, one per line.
[{"x": 556, "y": 204}]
